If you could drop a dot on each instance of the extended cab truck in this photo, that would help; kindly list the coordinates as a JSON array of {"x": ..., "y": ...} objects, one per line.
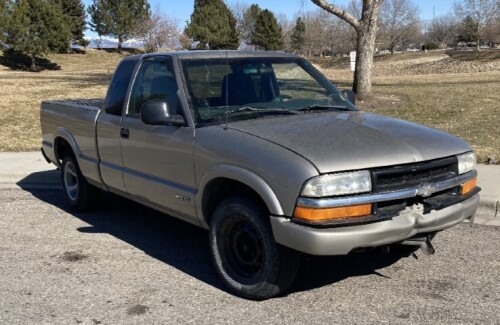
[{"x": 262, "y": 150}]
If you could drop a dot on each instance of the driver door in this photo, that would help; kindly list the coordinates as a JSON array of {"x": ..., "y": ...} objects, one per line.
[{"x": 158, "y": 159}]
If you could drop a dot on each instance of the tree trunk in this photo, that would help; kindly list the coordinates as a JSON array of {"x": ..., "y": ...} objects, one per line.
[
  {"x": 33, "y": 63},
  {"x": 120, "y": 41},
  {"x": 366, "y": 30},
  {"x": 364, "y": 61}
]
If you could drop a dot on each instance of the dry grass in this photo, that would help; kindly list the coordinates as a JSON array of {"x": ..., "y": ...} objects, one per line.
[
  {"x": 467, "y": 105},
  {"x": 483, "y": 56},
  {"x": 81, "y": 76}
]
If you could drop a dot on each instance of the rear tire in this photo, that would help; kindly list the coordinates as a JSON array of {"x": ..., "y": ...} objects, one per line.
[
  {"x": 80, "y": 195},
  {"x": 245, "y": 254}
]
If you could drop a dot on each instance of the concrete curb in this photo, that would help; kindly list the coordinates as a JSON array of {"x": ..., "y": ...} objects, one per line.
[
  {"x": 489, "y": 207},
  {"x": 489, "y": 179}
]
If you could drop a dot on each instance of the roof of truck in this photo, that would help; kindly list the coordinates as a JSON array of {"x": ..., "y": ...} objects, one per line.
[{"x": 218, "y": 54}]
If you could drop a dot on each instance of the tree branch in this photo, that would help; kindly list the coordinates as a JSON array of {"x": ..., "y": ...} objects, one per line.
[{"x": 339, "y": 12}]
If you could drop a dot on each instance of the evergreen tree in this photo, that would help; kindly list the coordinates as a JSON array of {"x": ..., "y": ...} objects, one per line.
[
  {"x": 58, "y": 32},
  {"x": 298, "y": 37},
  {"x": 467, "y": 30},
  {"x": 36, "y": 27},
  {"x": 3, "y": 18},
  {"x": 118, "y": 18},
  {"x": 75, "y": 15},
  {"x": 99, "y": 18},
  {"x": 213, "y": 25},
  {"x": 267, "y": 33}
]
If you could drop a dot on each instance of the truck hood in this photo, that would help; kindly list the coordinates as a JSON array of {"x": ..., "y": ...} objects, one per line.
[{"x": 338, "y": 141}]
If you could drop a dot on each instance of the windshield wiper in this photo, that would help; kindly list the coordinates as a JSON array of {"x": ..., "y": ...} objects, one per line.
[
  {"x": 317, "y": 107},
  {"x": 260, "y": 110}
]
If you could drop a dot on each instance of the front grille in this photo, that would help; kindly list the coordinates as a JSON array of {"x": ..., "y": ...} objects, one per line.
[{"x": 406, "y": 176}]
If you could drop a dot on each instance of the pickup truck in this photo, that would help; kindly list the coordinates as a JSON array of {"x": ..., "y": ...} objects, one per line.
[{"x": 267, "y": 154}]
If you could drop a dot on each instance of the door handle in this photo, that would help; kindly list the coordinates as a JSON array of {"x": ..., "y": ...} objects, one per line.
[{"x": 124, "y": 133}]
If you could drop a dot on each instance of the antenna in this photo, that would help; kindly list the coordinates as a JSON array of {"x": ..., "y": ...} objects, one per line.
[{"x": 227, "y": 94}]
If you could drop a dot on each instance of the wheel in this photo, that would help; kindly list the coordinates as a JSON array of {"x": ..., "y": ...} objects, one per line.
[
  {"x": 245, "y": 254},
  {"x": 80, "y": 195}
]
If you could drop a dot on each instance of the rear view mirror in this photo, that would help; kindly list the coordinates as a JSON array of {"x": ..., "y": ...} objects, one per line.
[
  {"x": 157, "y": 112},
  {"x": 350, "y": 95}
]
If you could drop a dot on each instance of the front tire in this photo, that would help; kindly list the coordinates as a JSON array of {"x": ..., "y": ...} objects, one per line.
[
  {"x": 245, "y": 254},
  {"x": 80, "y": 195}
]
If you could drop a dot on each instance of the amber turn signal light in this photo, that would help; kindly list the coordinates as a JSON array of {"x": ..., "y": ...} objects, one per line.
[
  {"x": 312, "y": 214},
  {"x": 468, "y": 186}
]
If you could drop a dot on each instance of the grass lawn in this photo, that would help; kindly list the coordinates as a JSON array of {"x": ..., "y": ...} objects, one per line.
[
  {"x": 464, "y": 104},
  {"x": 467, "y": 105},
  {"x": 80, "y": 76}
]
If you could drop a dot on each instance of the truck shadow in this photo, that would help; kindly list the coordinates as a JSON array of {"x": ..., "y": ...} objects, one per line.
[{"x": 185, "y": 246}]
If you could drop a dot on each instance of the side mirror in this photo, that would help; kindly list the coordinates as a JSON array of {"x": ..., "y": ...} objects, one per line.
[
  {"x": 157, "y": 112},
  {"x": 349, "y": 94}
]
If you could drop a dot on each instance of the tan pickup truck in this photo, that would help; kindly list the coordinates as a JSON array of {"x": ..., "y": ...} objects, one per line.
[{"x": 265, "y": 152}]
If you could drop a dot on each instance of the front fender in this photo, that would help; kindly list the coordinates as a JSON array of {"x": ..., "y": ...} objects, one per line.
[{"x": 241, "y": 175}]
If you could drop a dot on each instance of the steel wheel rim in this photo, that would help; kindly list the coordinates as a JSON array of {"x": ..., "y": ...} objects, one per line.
[
  {"x": 71, "y": 181},
  {"x": 243, "y": 247}
]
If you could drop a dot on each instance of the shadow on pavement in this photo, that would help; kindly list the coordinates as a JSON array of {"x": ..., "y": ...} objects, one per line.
[
  {"x": 185, "y": 246},
  {"x": 49, "y": 179}
]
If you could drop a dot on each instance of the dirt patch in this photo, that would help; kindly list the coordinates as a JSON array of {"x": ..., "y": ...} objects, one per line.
[
  {"x": 404, "y": 64},
  {"x": 137, "y": 310},
  {"x": 72, "y": 256}
]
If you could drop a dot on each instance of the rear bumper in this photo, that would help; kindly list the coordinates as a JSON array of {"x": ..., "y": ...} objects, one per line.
[{"x": 342, "y": 240}]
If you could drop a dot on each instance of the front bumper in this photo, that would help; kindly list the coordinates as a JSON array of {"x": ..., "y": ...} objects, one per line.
[{"x": 342, "y": 240}]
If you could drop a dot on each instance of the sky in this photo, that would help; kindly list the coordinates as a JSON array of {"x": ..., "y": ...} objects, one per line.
[{"x": 182, "y": 9}]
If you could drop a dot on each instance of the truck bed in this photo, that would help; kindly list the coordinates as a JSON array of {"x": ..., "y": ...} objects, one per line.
[{"x": 75, "y": 117}]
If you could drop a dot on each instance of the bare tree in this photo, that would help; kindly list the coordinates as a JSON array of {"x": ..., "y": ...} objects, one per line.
[
  {"x": 246, "y": 17},
  {"x": 366, "y": 28},
  {"x": 484, "y": 14},
  {"x": 339, "y": 36},
  {"x": 316, "y": 24},
  {"x": 442, "y": 30},
  {"x": 398, "y": 22},
  {"x": 159, "y": 31},
  {"x": 287, "y": 28},
  {"x": 325, "y": 34},
  {"x": 239, "y": 9},
  {"x": 493, "y": 33},
  {"x": 185, "y": 41}
]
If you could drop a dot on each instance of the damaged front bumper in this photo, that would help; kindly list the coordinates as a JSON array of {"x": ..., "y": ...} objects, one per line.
[{"x": 342, "y": 240}]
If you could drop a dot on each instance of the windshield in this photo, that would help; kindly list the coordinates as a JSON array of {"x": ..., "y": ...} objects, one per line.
[{"x": 243, "y": 88}]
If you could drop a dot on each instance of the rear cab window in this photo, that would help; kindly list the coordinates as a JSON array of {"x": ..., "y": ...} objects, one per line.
[{"x": 117, "y": 92}]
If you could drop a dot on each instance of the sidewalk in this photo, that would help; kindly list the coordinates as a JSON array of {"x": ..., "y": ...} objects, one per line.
[
  {"x": 27, "y": 170},
  {"x": 30, "y": 170}
]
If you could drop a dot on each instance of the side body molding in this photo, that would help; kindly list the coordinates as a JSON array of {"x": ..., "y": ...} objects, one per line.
[{"x": 243, "y": 176}]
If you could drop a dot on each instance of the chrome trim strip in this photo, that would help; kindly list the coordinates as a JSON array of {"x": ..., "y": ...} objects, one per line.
[
  {"x": 164, "y": 182},
  {"x": 387, "y": 196}
]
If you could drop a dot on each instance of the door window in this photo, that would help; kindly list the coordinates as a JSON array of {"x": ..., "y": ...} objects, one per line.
[{"x": 155, "y": 80}]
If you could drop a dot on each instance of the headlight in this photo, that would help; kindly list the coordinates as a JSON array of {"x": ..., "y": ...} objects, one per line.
[
  {"x": 466, "y": 162},
  {"x": 338, "y": 184}
]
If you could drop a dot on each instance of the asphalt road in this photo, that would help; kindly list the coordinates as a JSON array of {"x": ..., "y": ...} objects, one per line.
[{"x": 126, "y": 264}]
